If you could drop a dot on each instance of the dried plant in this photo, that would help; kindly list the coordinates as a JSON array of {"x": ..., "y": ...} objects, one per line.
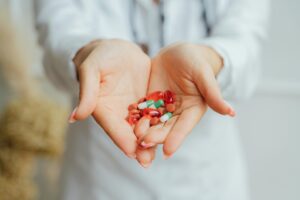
[{"x": 32, "y": 123}]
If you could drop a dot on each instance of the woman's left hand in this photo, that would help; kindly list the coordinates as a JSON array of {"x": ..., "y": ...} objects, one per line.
[{"x": 189, "y": 71}]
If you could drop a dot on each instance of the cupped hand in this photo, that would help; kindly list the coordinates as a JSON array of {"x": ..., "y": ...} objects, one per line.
[
  {"x": 112, "y": 74},
  {"x": 189, "y": 71}
]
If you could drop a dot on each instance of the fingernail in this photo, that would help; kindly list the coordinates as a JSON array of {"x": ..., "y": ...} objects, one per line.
[
  {"x": 167, "y": 156},
  {"x": 132, "y": 156},
  {"x": 147, "y": 145},
  {"x": 231, "y": 111},
  {"x": 145, "y": 165},
  {"x": 72, "y": 116}
]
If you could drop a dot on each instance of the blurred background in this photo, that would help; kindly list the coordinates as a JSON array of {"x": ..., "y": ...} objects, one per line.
[{"x": 269, "y": 121}]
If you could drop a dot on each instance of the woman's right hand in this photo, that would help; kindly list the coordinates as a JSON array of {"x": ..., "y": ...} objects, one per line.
[{"x": 112, "y": 74}]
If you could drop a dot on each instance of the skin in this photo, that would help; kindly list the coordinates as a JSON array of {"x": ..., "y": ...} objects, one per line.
[
  {"x": 112, "y": 74},
  {"x": 189, "y": 71},
  {"x": 115, "y": 73}
]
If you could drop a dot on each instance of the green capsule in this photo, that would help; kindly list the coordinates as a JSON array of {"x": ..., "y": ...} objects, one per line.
[
  {"x": 165, "y": 117},
  {"x": 145, "y": 104},
  {"x": 159, "y": 103}
]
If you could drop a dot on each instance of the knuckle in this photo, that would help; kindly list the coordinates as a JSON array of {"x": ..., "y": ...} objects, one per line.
[{"x": 205, "y": 92}]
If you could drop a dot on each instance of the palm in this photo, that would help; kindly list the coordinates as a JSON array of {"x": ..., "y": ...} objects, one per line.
[
  {"x": 167, "y": 75},
  {"x": 175, "y": 74},
  {"x": 119, "y": 87},
  {"x": 112, "y": 74}
]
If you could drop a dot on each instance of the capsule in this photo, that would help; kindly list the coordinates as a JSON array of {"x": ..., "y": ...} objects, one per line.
[
  {"x": 158, "y": 104},
  {"x": 169, "y": 97},
  {"x": 165, "y": 117},
  {"x": 155, "y": 95},
  {"x": 145, "y": 104},
  {"x": 151, "y": 112}
]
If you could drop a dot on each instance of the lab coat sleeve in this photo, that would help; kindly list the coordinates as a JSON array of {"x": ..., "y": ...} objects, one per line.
[
  {"x": 237, "y": 36},
  {"x": 62, "y": 31}
]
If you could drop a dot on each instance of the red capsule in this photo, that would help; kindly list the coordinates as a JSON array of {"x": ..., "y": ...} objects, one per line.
[
  {"x": 155, "y": 96},
  {"x": 151, "y": 112},
  {"x": 154, "y": 113},
  {"x": 169, "y": 97}
]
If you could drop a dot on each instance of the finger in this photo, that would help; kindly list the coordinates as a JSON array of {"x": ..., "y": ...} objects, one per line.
[
  {"x": 145, "y": 156},
  {"x": 157, "y": 134},
  {"x": 209, "y": 89},
  {"x": 186, "y": 121},
  {"x": 89, "y": 79},
  {"x": 141, "y": 127},
  {"x": 118, "y": 130}
]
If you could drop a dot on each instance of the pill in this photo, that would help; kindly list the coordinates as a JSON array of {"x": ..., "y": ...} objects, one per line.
[
  {"x": 145, "y": 104},
  {"x": 169, "y": 97},
  {"x": 137, "y": 116},
  {"x": 132, "y": 120},
  {"x": 161, "y": 110},
  {"x": 155, "y": 96},
  {"x": 134, "y": 111},
  {"x": 132, "y": 106},
  {"x": 156, "y": 106},
  {"x": 170, "y": 107},
  {"x": 159, "y": 103},
  {"x": 165, "y": 117},
  {"x": 142, "y": 100},
  {"x": 154, "y": 121},
  {"x": 151, "y": 112}
]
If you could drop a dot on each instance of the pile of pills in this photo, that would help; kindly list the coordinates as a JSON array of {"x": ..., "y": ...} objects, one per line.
[{"x": 157, "y": 106}]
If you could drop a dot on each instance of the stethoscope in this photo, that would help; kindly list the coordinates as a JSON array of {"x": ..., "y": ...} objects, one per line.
[{"x": 162, "y": 20}]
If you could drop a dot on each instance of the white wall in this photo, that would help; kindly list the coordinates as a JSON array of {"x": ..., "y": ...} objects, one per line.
[{"x": 270, "y": 121}]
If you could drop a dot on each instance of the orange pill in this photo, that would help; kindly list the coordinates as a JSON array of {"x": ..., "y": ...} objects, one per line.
[
  {"x": 134, "y": 111},
  {"x": 154, "y": 121},
  {"x": 137, "y": 116},
  {"x": 170, "y": 107},
  {"x": 132, "y": 106}
]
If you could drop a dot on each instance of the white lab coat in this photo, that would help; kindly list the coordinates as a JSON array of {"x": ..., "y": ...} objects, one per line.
[{"x": 210, "y": 163}]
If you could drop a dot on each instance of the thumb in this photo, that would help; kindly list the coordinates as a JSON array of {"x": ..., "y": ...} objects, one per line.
[
  {"x": 89, "y": 80},
  {"x": 209, "y": 89}
]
